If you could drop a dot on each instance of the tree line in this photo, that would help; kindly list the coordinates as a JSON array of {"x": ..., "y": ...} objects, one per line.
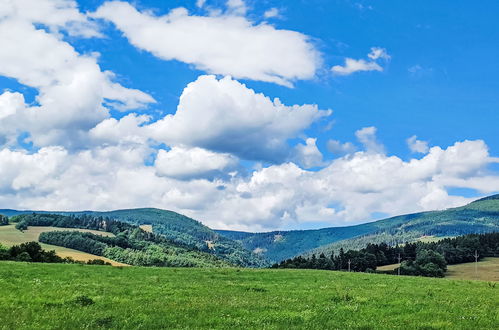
[
  {"x": 418, "y": 258},
  {"x": 4, "y": 221}
]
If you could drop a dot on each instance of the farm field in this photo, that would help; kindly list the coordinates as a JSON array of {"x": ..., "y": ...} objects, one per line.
[
  {"x": 488, "y": 270},
  {"x": 62, "y": 296},
  {"x": 9, "y": 236}
]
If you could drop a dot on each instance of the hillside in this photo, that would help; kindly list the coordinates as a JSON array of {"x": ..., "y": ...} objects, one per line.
[
  {"x": 254, "y": 249},
  {"x": 114, "y": 239},
  {"x": 178, "y": 228},
  {"x": 480, "y": 216}
]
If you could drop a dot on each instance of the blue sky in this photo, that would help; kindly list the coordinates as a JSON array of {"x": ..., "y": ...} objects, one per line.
[
  {"x": 434, "y": 76},
  {"x": 441, "y": 83}
]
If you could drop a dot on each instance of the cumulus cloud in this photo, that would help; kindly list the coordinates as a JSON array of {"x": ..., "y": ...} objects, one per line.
[
  {"x": 353, "y": 65},
  {"x": 308, "y": 155},
  {"x": 226, "y": 116},
  {"x": 367, "y": 136},
  {"x": 417, "y": 146},
  {"x": 226, "y": 44},
  {"x": 349, "y": 190},
  {"x": 183, "y": 163},
  {"x": 73, "y": 92}
]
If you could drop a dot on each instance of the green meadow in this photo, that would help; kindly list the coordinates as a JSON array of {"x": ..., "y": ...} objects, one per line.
[{"x": 68, "y": 296}]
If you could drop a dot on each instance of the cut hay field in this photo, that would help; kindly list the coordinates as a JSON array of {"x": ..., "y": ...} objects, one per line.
[
  {"x": 9, "y": 236},
  {"x": 487, "y": 270},
  {"x": 62, "y": 296}
]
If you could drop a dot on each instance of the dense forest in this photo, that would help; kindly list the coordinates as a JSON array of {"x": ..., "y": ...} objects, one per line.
[
  {"x": 33, "y": 252},
  {"x": 188, "y": 232},
  {"x": 131, "y": 245},
  {"x": 425, "y": 259}
]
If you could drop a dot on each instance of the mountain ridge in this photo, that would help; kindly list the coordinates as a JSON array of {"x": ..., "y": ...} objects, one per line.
[{"x": 257, "y": 249}]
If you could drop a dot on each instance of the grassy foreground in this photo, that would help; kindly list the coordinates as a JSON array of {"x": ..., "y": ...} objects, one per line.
[{"x": 62, "y": 296}]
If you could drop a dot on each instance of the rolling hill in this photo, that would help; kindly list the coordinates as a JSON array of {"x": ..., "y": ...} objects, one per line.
[
  {"x": 258, "y": 249},
  {"x": 480, "y": 216},
  {"x": 178, "y": 228}
]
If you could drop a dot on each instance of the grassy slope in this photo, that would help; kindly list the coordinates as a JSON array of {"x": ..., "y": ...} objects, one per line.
[
  {"x": 477, "y": 217},
  {"x": 42, "y": 296},
  {"x": 9, "y": 236}
]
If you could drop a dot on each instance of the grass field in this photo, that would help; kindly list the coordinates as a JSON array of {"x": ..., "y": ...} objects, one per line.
[
  {"x": 487, "y": 270},
  {"x": 9, "y": 236},
  {"x": 59, "y": 296}
]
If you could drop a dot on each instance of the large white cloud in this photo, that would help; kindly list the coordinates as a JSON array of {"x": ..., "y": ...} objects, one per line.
[
  {"x": 349, "y": 190},
  {"x": 72, "y": 89},
  {"x": 226, "y": 116},
  {"x": 227, "y": 44}
]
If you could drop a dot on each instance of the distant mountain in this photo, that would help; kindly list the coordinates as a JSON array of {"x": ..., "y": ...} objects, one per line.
[
  {"x": 480, "y": 216},
  {"x": 258, "y": 249},
  {"x": 178, "y": 228}
]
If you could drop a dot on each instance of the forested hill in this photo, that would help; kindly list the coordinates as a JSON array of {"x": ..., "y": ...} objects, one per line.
[
  {"x": 480, "y": 216},
  {"x": 187, "y": 231},
  {"x": 178, "y": 228},
  {"x": 253, "y": 249}
]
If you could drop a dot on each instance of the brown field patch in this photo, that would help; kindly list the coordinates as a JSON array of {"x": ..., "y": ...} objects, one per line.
[
  {"x": 147, "y": 228},
  {"x": 488, "y": 270}
]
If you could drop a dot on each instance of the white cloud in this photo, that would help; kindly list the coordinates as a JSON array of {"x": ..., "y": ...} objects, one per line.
[
  {"x": 271, "y": 13},
  {"x": 72, "y": 89},
  {"x": 237, "y": 7},
  {"x": 224, "y": 44},
  {"x": 367, "y": 136},
  {"x": 200, "y": 3},
  {"x": 352, "y": 65},
  {"x": 308, "y": 155},
  {"x": 417, "y": 146},
  {"x": 377, "y": 52},
  {"x": 128, "y": 129},
  {"x": 183, "y": 163},
  {"x": 349, "y": 190},
  {"x": 226, "y": 116},
  {"x": 55, "y": 14},
  {"x": 10, "y": 104}
]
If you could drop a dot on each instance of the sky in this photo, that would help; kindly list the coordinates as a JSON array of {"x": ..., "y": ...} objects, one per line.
[{"x": 249, "y": 115}]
